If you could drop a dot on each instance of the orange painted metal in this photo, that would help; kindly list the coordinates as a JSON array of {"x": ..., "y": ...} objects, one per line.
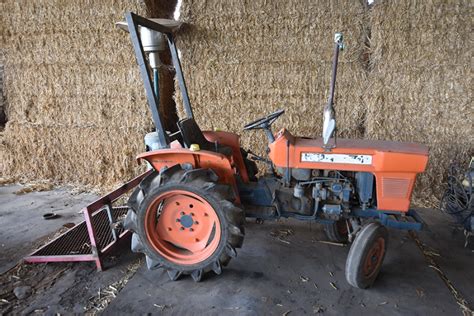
[
  {"x": 394, "y": 164},
  {"x": 187, "y": 230},
  {"x": 221, "y": 164},
  {"x": 231, "y": 140}
]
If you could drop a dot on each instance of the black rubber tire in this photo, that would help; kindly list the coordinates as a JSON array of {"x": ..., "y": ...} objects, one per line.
[
  {"x": 334, "y": 232},
  {"x": 202, "y": 182},
  {"x": 366, "y": 239}
]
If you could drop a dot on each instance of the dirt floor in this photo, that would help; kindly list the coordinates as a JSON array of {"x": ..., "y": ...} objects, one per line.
[{"x": 282, "y": 269}]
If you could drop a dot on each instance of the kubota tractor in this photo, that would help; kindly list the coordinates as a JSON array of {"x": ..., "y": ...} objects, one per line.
[{"x": 188, "y": 215}]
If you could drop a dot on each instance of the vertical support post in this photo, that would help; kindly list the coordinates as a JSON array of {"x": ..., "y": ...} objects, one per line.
[
  {"x": 287, "y": 171},
  {"x": 108, "y": 209},
  {"x": 333, "y": 75},
  {"x": 179, "y": 75},
  {"x": 150, "y": 94},
  {"x": 91, "y": 232},
  {"x": 156, "y": 84},
  {"x": 329, "y": 114}
]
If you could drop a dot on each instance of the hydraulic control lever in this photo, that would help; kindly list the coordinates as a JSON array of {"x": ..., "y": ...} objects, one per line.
[{"x": 329, "y": 114}]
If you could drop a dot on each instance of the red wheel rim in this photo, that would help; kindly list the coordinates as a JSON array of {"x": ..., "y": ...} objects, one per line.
[
  {"x": 374, "y": 258},
  {"x": 182, "y": 227}
]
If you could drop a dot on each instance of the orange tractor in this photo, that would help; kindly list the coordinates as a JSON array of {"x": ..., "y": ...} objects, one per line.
[{"x": 188, "y": 215}]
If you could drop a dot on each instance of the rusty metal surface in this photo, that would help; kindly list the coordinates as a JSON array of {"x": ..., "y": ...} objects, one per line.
[{"x": 76, "y": 241}]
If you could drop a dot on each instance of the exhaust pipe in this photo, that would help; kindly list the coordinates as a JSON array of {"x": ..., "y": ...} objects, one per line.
[{"x": 329, "y": 114}]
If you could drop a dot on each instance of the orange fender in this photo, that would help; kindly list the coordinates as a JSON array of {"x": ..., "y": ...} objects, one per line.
[{"x": 198, "y": 159}]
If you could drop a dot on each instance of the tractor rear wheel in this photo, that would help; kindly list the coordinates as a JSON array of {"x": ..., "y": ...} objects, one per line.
[
  {"x": 366, "y": 255},
  {"x": 337, "y": 231},
  {"x": 185, "y": 222}
]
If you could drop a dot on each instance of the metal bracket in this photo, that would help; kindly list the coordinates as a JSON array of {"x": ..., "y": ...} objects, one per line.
[
  {"x": 108, "y": 209},
  {"x": 133, "y": 22},
  {"x": 412, "y": 221}
]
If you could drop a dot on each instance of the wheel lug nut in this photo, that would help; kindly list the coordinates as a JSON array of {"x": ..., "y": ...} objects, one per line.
[
  {"x": 191, "y": 230},
  {"x": 182, "y": 228},
  {"x": 197, "y": 239},
  {"x": 178, "y": 220},
  {"x": 196, "y": 222},
  {"x": 192, "y": 214},
  {"x": 205, "y": 214},
  {"x": 182, "y": 213}
]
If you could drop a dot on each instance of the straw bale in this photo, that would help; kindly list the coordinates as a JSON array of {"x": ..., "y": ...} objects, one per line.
[
  {"x": 72, "y": 85},
  {"x": 77, "y": 109},
  {"x": 89, "y": 156},
  {"x": 163, "y": 9},
  {"x": 2, "y": 99},
  {"x": 421, "y": 83},
  {"x": 2, "y": 104},
  {"x": 244, "y": 59}
]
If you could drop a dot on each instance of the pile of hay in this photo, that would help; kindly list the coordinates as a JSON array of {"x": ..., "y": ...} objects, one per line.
[
  {"x": 421, "y": 82},
  {"x": 77, "y": 112},
  {"x": 2, "y": 104},
  {"x": 245, "y": 59},
  {"x": 405, "y": 75},
  {"x": 2, "y": 101}
]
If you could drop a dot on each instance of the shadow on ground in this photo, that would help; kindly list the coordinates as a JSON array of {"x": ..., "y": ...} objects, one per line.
[{"x": 297, "y": 275}]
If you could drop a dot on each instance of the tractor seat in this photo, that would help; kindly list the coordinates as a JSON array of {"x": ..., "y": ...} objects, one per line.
[{"x": 192, "y": 134}]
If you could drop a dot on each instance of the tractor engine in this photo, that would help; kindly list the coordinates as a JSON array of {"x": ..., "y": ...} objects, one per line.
[
  {"x": 329, "y": 192},
  {"x": 332, "y": 196}
]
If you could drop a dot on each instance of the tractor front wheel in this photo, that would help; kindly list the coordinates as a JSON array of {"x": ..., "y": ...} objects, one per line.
[
  {"x": 185, "y": 222},
  {"x": 366, "y": 255}
]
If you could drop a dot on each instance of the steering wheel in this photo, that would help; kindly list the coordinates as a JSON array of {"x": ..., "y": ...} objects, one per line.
[{"x": 265, "y": 122}]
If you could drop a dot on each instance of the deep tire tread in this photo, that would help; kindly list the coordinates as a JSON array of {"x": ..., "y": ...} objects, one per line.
[{"x": 201, "y": 179}]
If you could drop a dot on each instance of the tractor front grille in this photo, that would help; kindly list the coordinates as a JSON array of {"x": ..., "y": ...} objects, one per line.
[{"x": 395, "y": 187}]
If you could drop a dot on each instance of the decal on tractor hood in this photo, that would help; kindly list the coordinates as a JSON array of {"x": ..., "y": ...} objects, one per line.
[{"x": 337, "y": 158}]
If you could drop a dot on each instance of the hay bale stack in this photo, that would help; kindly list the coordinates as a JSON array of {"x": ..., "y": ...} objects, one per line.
[
  {"x": 421, "y": 82},
  {"x": 2, "y": 104},
  {"x": 77, "y": 110},
  {"x": 2, "y": 99},
  {"x": 245, "y": 59}
]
